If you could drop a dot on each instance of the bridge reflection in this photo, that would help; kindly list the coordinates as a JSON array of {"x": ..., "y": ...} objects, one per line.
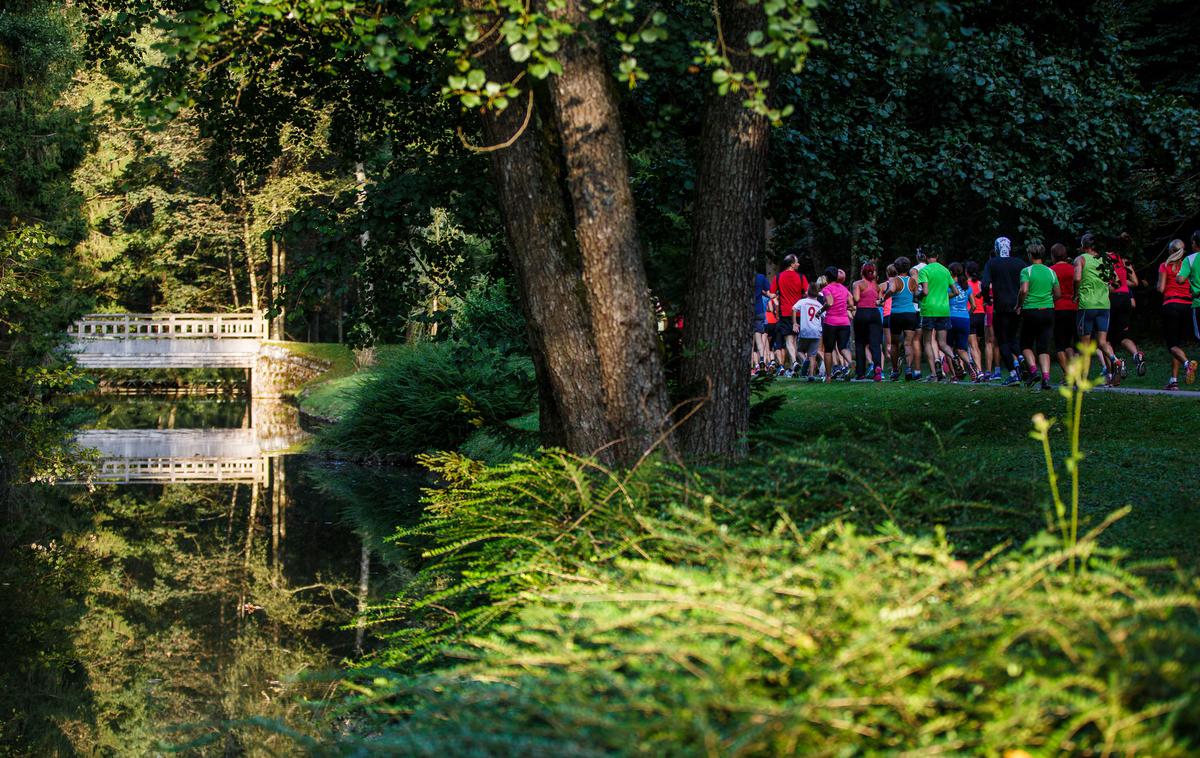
[{"x": 140, "y": 456}]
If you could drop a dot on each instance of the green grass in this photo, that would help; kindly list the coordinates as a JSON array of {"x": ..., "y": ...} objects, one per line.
[
  {"x": 328, "y": 396},
  {"x": 1137, "y": 449}
]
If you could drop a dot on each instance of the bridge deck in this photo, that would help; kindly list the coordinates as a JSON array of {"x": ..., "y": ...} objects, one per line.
[{"x": 167, "y": 340}]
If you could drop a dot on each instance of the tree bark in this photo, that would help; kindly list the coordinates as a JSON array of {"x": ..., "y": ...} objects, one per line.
[
  {"x": 549, "y": 282},
  {"x": 614, "y": 274},
  {"x": 729, "y": 234},
  {"x": 248, "y": 245}
]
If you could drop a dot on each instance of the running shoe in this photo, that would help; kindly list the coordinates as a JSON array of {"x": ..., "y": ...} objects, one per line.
[
  {"x": 908, "y": 375},
  {"x": 1116, "y": 375},
  {"x": 1031, "y": 378},
  {"x": 1140, "y": 361},
  {"x": 1122, "y": 369},
  {"x": 1045, "y": 386},
  {"x": 1011, "y": 381},
  {"x": 1190, "y": 376},
  {"x": 895, "y": 376},
  {"x": 878, "y": 374},
  {"x": 1172, "y": 386}
]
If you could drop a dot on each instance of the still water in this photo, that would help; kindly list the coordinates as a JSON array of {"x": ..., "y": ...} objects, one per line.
[{"x": 212, "y": 575}]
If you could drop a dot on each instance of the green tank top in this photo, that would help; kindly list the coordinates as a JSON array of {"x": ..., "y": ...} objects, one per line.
[{"x": 1093, "y": 290}]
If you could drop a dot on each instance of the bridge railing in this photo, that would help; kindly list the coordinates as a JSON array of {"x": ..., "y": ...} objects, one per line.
[{"x": 169, "y": 326}]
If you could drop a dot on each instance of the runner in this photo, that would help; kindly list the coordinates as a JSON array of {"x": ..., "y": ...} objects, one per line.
[
  {"x": 961, "y": 305},
  {"x": 885, "y": 294},
  {"x": 1002, "y": 287},
  {"x": 1094, "y": 277},
  {"x": 806, "y": 324},
  {"x": 904, "y": 320},
  {"x": 790, "y": 286},
  {"x": 1176, "y": 312},
  {"x": 979, "y": 325},
  {"x": 868, "y": 324},
  {"x": 1122, "y": 303},
  {"x": 1190, "y": 272},
  {"x": 935, "y": 286},
  {"x": 1065, "y": 329},
  {"x": 762, "y": 344},
  {"x": 1039, "y": 288},
  {"x": 835, "y": 335}
]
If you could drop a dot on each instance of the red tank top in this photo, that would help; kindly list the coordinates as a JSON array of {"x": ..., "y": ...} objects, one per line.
[{"x": 868, "y": 296}]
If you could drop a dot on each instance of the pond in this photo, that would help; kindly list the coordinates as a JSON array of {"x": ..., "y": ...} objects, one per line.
[{"x": 211, "y": 576}]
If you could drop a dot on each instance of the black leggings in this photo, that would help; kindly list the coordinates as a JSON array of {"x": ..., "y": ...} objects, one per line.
[
  {"x": 1176, "y": 322},
  {"x": 868, "y": 330},
  {"x": 1037, "y": 331},
  {"x": 1007, "y": 326}
]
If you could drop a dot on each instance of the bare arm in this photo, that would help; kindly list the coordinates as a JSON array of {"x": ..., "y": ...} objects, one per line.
[{"x": 1162, "y": 281}]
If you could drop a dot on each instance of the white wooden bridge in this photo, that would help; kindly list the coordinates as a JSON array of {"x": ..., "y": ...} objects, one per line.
[
  {"x": 134, "y": 456},
  {"x": 167, "y": 340}
]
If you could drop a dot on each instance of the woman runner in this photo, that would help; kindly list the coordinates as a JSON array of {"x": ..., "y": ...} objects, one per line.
[
  {"x": 868, "y": 324},
  {"x": 904, "y": 319},
  {"x": 1122, "y": 304},
  {"x": 978, "y": 337},
  {"x": 1065, "y": 329},
  {"x": 961, "y": 305},
  {"x": 835, "y": 335},
  {"x": 1039, "y": 288},
  {"x": 1176, "y": 313}
]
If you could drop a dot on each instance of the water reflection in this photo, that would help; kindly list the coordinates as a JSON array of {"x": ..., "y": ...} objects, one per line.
[{"x": 187, "y": 604}]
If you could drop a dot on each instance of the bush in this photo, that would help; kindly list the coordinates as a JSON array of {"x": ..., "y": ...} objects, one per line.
[
  {"x": 431, "y": 396},
  {"x": 486, "y": 315},
  {"x": 619, "y": 614}
]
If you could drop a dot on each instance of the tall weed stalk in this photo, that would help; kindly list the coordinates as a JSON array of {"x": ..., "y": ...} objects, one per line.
[{"x": 1077, "y": 385}]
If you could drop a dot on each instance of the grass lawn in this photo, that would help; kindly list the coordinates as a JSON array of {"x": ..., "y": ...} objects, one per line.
[{"x": 960, "y": 456}]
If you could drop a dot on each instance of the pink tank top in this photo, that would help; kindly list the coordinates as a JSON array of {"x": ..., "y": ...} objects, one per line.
[
  {"x": 839, "y": 297},
  {"x": 869, "y": 295}
]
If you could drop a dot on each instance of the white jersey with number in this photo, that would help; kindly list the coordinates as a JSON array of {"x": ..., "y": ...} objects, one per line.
[{"x": 807, "y": 309}]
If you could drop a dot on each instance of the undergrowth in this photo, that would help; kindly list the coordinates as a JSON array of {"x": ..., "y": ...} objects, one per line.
[{"x": 431, "y": 396}]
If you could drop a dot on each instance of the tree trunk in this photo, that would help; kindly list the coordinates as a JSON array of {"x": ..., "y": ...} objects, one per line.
[
  {"x": 247, "y": 244},
  {"x": 614, "y": 274},
  {"x": 542, "y": 246},
  {"x": 728, "y": 236},
  {"x": 233, "y": 292}
]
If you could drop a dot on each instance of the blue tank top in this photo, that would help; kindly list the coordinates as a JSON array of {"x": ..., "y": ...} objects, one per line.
[
  {"x": 958, "y": 305},
  {"x": 902, "y": 301}
]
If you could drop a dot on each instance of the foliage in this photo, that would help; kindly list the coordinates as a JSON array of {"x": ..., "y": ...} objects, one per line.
[
  {"x": 639, "y": 623},
  {"x": 1014, "y": 120},
  {"x": 486, "y": 315},
  {"x": 431, "y": 396}
]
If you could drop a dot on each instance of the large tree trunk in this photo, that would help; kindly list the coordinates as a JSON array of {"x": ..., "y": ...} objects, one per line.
[
  {"x": 614, "y": 275},
  {"x": 728, "y": 236},
  {"x": 542, "y": 245}
]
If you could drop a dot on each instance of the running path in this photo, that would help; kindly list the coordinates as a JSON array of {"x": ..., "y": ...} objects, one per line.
[{"x": 1142, "y": 391}]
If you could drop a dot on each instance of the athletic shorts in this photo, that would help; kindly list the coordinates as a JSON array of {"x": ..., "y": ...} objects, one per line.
[
  {"x": 773, "y": 334},
  {"x": 960, "y": 333},
  {"x": 760, "y": 325},
  {"x": 979, "y": 327},
  {"x": 1037, "y": 330},
  {"x": 1066, "y": 331},
  {"x": 838, "y": 336},
  {"x": 784, "y": 330},
  {"x": 1196, "y": 322},
  {"x": 1089, "y": 321},
  {"x": 1120, "y": 309},
  {"x": 1176, "y": 323},
  {"x": 904, "y": 322},
  {"x": 808, "y": 345},
  {"x": 887, "y": 321},
  {"x": 937, "y": 323}
]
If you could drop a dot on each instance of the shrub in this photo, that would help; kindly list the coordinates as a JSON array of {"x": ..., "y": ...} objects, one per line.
[
  {"x": 431, "y": 396},
  {"x": 487, "y": 315},
  {"x": 618, "y": 614}
]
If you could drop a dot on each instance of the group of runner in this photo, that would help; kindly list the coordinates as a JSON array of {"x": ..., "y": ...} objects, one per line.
[{"x": 1005, "y": 322}]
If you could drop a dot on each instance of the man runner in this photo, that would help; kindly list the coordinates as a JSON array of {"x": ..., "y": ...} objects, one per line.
[
  {"x": 935, "y": 286},
  {"x": 1094, "y": 279},
  {"x": 1002, "y": 287}
]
